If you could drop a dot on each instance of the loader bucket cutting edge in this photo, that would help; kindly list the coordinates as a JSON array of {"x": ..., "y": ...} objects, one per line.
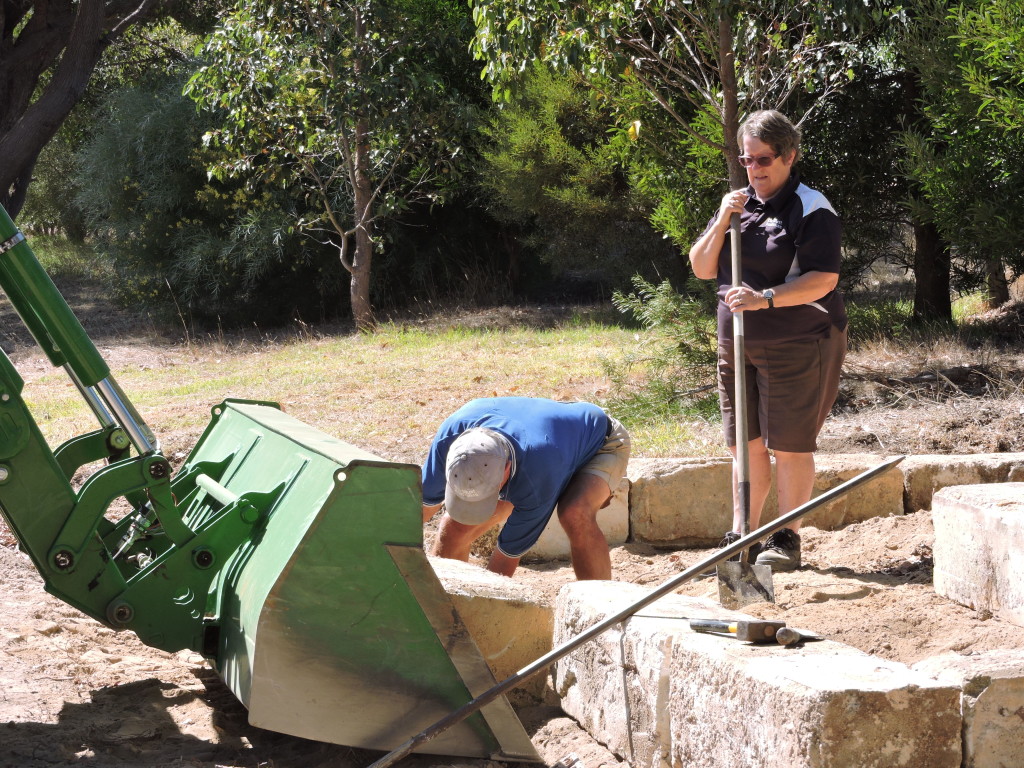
[{"x": 332, "y": 625}]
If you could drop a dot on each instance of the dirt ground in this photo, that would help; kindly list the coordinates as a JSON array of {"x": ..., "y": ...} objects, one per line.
[{"x": 75, "y": 693}]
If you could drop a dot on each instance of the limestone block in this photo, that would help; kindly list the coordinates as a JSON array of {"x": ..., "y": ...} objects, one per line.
[
  {"x": 613, "y": 521},
  {"x": 509, "y": 623},
  {"x": 881, "y": 497},
  {"x": 680, "y": 502},
  {"x": 662, "y": 696},
  {"x": 618, "y": 690},
  {"x": 924, "y": 475},
  {"x": 979, "y": 547},
  {"x": 688, "y": 502},
  {"x": 991, "y": 701}
]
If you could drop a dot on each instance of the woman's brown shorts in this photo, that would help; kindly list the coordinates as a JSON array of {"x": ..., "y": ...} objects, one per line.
[{"x": 791, "y": 387}]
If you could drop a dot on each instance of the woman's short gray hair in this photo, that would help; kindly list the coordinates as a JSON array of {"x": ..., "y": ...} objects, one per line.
[{"x": 774, "y": 129}]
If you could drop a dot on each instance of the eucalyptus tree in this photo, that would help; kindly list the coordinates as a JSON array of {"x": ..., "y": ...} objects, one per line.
[
  {"x": 48, "y": 53},
  {"x": 356, "y": 102}
]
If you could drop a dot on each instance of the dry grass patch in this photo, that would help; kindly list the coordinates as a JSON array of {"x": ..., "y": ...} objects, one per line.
[{"x": 385, "y": 392}]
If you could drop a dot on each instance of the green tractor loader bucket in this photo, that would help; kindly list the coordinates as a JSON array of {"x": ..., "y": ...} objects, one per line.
[
  {"x": 292, "y": 561},
  {"x": 332, "y": 624}
]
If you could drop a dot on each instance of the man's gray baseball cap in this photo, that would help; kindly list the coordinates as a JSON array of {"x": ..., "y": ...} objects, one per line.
[{"x": 475, "y": 472}]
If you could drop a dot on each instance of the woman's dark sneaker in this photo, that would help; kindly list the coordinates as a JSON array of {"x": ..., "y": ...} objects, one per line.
[{"x": 781, "y": 551}]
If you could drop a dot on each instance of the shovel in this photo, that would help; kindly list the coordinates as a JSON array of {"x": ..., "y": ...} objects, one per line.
[{"x": 739, "y": 582}]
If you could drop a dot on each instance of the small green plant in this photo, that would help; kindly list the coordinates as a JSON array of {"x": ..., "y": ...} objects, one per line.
[{"x": 672, "y": 371}]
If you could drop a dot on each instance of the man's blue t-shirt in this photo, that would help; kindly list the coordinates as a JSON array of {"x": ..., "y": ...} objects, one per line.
[{"x": 551, "y": 441}]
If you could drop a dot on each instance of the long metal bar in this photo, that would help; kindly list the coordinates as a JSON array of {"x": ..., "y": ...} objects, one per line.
[{"x": 554, "y": 655}]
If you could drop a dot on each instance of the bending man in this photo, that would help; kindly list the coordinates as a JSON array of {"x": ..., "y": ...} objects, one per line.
[{"x": 511, "y": 460}]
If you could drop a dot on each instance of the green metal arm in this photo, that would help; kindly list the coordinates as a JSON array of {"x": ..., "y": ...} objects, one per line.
[
  {"x": 149, "y": 570},
  {"x": 43, "y": 310}
]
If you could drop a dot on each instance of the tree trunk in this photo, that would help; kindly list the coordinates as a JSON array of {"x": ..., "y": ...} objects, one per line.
[
  {"x": 730, "y": 101},
  {"x": 995, "y": 280},
  {"x": 362, "y": 258},
  {"x": 931, "y": 273}
]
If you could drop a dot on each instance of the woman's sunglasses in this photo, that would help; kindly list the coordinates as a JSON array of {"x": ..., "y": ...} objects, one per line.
[{"x": 762, "y": 160}]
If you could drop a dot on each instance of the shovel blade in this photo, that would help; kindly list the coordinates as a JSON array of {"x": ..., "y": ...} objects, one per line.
[{"x": 741, "y": 584}]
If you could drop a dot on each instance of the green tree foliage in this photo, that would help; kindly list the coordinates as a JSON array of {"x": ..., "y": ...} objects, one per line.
[
  {"x": 851, "y": 151},
  {"x": 683, "y": 56},
  {"x": 152, "y": 48},
  {"x": 963, "y": 154},
  {"x": 678, "y": 358},
  {"x": 356, "y": 103},
  {"x": 51, "y": 201},
  {"x": 553, "y": 169},
  {"x": 684, "y": 73},
  {"x": 178, "y": 241},
  {"x": 993, "y": 34},
  {"x": 48, "y": 52}
]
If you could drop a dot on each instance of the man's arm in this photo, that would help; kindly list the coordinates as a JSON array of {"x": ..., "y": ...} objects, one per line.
[{"x": 429, "y": 510}]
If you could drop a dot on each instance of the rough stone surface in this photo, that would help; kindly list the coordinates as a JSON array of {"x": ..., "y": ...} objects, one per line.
[
  {"x": 682, "y": 502},
  {"x": 688, "y": 502},
  {"x": 511, "y": 626},
  {"x": 660, "y": 695},
  {"x": 924, "y": 475},
  {"x": 882, "y": 496},
  {"x": 613, "y": 521},
  {"x": 991, "y": 701},
  {"x": 979, "y": 547}
]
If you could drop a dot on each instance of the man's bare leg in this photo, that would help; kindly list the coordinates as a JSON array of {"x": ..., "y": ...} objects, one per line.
[{"x": 577, "y": 512}]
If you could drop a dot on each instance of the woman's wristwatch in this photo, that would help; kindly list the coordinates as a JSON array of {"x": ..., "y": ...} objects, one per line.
[{"x": 768, "y": 294}]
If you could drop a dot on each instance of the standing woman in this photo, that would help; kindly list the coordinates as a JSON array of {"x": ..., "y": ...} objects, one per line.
[{"x": 795, "y": 334}]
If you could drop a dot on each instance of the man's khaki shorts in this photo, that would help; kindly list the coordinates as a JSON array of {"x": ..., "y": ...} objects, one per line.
[
  {"x": 609, "y": 463},
  {"x": 791, "y": 387}
]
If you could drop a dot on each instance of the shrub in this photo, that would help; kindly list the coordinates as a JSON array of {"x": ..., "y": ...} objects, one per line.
[{"x": 673, "y": 370}]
